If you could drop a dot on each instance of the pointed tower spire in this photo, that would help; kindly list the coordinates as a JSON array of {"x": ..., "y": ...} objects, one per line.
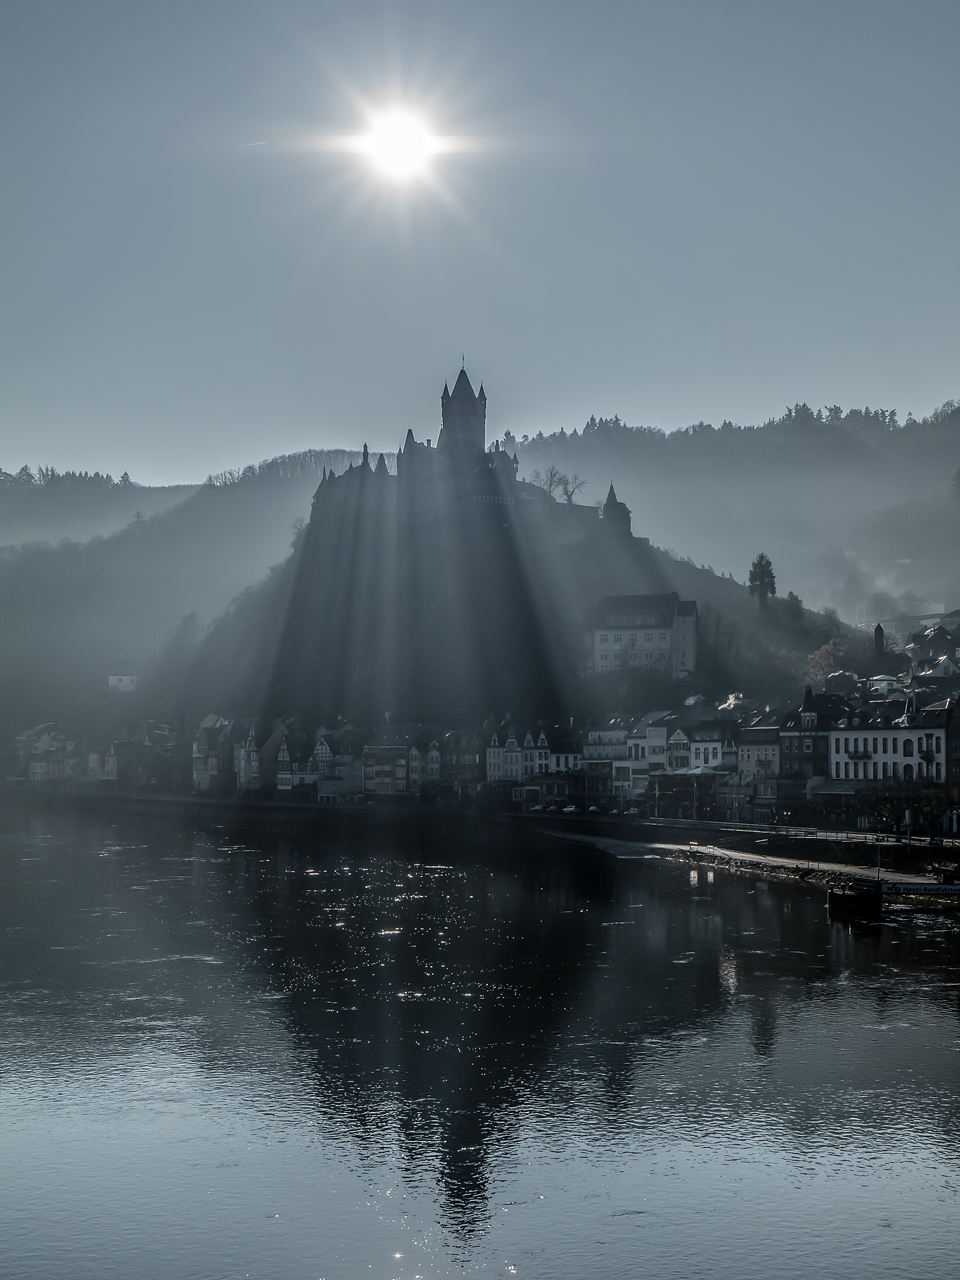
[
  {"x": 366, "y": 456},
  {"x": 611, "y": 494},
  {"x": 381, "y": 466}
]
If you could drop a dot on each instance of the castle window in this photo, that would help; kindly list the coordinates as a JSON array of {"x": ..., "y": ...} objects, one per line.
[
  {"x": 604, "y": 639},
  {"x": 648, "y": 638},
  {"x": 618, "y": 639}
]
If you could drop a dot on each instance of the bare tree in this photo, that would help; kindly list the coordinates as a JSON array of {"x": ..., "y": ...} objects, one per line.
[
  {"x": 571, "y": 486},
  {"x": 551, "y": 480}
]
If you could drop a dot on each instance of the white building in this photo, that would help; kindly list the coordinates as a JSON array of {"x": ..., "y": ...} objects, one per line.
[
  {"x": 536, "y": 755},
  {"x": 504, "y": 763},
  {"x": 122, "y": 684},
  {"x": 646, "y": 633},
  {"x": 868, "y": 746}
]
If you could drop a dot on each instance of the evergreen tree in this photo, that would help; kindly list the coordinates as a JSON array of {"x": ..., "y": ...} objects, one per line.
[{"x": 762, "y": 582}]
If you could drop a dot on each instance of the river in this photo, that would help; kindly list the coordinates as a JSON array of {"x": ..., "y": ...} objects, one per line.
[{"x": 307, "y": 1058}]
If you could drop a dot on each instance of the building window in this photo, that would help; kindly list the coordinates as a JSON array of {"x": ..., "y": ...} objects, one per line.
[
  {"x": 807, "y": 744},
  {"x": 633, "y": 639},
  {"x": 896, "y": 767},
  {"x": 908, "y": 746},
  {"x": 604, "y": 639},
  {"x": 886, "y": 743},
  {"x": 886, "y": 769},
  {"x": 647, "y": 638},
  {"x": 875, "y": 770},
  {"x": 938, "y": 748},
  {"x": 846, "y": 745},
  {"x": 895, "y": 745},
  {"x": 836, "y": 745},
  {"x": 856, "y": 770},
  {"x": 837, "y": 768},
  {"x": 875, "y": 746},
  {"x": 939, "y": 772},
  {"x": 846, "y": 769}
]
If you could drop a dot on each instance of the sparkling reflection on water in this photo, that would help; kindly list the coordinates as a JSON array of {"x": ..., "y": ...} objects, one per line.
[{"x": 303, "y": 1059}]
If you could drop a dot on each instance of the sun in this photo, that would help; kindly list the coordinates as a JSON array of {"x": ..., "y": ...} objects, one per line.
[{"x": 399, "y": 144}]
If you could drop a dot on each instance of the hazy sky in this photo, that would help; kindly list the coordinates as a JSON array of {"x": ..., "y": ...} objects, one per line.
[{"x": 682, "y": 212}]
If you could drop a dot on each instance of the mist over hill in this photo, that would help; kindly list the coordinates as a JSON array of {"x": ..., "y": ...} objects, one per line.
[
  {"x": 853, "y": 508},
  {"x": 76, "y": 612},
  {"x": 49, "y": 505}
]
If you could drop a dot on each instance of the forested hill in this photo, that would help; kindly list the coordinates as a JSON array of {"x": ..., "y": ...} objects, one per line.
[
  {"x": 48, "y": 505},
  {"x": 812, "y": 489},
  {"x": 75, "y": 612}
]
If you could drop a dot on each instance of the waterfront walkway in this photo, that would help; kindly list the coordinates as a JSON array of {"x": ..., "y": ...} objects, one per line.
[{"x": 638, "y": 849}]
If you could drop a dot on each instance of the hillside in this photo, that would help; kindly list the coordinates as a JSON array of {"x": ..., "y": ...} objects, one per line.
[
  {"x": 75, "y": 612},
  {"x": 51, "y": 505},
  {"x": 822, "y": 493}
]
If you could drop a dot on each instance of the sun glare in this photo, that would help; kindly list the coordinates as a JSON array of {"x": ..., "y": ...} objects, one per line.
[{"x": 399, "y": 144}]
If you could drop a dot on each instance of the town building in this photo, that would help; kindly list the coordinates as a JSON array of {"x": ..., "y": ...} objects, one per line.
[
  {"x": 875, "y": 744},
  {"x": 758, "y": 753},
  {"x": 645, "y": 633},
  {"x": 805, "y": 735}
]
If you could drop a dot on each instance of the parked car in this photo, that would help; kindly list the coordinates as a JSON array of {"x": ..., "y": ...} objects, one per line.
[
  {"x": 535, "y": 807},
  {"x": 630, "y": 812},
  {"x": 593, "y": 809},
  {"x": 571, "y": 808}
]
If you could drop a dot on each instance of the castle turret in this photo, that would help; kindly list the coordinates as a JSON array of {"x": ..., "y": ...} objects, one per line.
[{"x": 617, "y": 514}]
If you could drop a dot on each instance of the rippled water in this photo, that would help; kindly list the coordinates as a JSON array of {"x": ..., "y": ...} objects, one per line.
[{"x": 301, "y": 1060}]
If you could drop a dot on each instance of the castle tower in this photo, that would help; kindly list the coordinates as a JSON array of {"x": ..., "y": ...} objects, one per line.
[
  {"x": 464, "y": 416},
  {"x": 617, "y": 514}
]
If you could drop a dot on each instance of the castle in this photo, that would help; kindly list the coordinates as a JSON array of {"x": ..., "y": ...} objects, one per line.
[
  {"x": 448, "y": 588},
  {"x": 462, "y": 465}
]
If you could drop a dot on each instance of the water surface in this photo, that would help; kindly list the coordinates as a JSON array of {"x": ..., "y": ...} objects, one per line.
[{"x": 292, "y": 1060}]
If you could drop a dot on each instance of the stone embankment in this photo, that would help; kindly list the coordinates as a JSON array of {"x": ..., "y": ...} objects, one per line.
[{"x": 909, "y": 872}]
